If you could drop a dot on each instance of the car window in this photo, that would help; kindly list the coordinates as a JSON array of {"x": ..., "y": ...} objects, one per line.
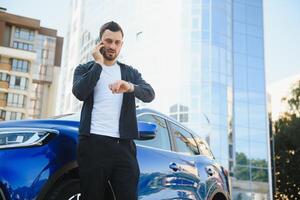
[
  {"x": 184, "y": 141},
  {"x": 162, "y": 139},
  {"x": 203, "y": 147}
]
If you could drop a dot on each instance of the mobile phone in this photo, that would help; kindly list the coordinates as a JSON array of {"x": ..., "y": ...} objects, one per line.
[{"x": 102, "y": 49}]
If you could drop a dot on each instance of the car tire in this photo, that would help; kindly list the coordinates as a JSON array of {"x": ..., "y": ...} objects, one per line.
[{"x": 68, "y": 190}]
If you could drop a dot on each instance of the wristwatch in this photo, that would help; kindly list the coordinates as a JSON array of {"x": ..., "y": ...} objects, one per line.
[{"x": 131, "y": 89}]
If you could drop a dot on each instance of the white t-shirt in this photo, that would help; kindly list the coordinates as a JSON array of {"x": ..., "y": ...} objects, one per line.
[{"x": 107, "y": 106}]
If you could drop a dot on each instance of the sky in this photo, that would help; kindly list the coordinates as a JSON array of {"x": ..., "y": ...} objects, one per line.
[
  {"x": 281, "y": 30},
  {"x": 282, "y": 41}
]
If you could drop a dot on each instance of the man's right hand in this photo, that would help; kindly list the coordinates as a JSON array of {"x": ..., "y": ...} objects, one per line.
[{"x": 97, "y": 55}]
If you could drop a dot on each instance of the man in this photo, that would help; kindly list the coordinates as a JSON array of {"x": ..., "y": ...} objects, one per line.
[{"x": 108, "y": 124}]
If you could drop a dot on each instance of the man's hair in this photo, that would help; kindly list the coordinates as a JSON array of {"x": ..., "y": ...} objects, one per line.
[{"x": 112, "y": 26}]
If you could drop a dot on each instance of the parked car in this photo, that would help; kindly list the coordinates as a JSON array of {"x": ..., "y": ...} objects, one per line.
[{"x": 38, "y": 160}]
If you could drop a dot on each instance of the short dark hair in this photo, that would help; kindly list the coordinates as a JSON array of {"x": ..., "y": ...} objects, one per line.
[{"x": 112, "y": 26}]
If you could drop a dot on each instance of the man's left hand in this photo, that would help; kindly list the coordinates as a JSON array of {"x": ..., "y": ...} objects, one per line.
[{"x": 121, "y": 86}]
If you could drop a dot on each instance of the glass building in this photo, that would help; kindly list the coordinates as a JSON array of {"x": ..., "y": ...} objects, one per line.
[{"x": 205, "y": 60}]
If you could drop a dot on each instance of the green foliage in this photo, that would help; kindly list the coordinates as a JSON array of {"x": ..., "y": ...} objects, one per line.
[{"x": 287, "y": 149}]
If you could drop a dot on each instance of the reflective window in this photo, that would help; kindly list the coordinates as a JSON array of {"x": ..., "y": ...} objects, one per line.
[
  {"x": 16, "y": 100},
  {"x": 240, "y": 96},
  {"x": 242, "y": 173},
  {"x": 14, "y": 115},
  {"x": 218, "y": 21},
  {"x": 253, "y": 30},
  {"x": 18, "y": 82},
  {"x": 254, "y": 15},
  {"x": 256, "y": 97},
  {"x": 215, "y": 98},
  {"x": 256, "y": 80},
  {"x": 239, "y": 12},
  {"x": 203, "y": 147},
  {"x": 258, "y": 174},
  {"x": 255, "y": 3},
  {"x": 257, "y": 116},
  {"x": 239, "y": 43},
  {"x": 258, "y": 135},
  {"x": 4, "y": 76},
  {"x": 255, "y": 62},
  {"x": 241, "y": 134},
  {"x": 24, "y": 34},
  {"x": 240, "y": 77},
  {"x": 162, "y": 139},
  {"x": 184, "y": 141},
  {"x": 255, "y": 46},
  {"x": 20, "y": 65},
  {"x": 241, "y": 114},
  {"x": 242, "y": 152},
  {"x": 240, "y": 59},
  {"x": 205, "y": 19},
  {"x": 183, "y": 117},
  {"x": 259, "y": 152},
  {"x": 239, "y": 27},
  {"x": 22, "y": 45}
]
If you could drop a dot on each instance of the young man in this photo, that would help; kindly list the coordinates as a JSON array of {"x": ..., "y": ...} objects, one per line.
[{"x": 108, "y": 124}]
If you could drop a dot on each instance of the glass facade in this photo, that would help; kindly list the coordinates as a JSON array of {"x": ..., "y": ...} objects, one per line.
[
  {"x": 206, "y": 66},
  {"x": 211, "y": 74},
  {"x": 250, "y": 121}
]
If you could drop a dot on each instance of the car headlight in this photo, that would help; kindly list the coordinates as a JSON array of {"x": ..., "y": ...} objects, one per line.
[{"x": 24, "y": 137}]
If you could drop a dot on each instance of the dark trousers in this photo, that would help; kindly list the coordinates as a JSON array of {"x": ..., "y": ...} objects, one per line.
[{"x": 103, "y": 160}]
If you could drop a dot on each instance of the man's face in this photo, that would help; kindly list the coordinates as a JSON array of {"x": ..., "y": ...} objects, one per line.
[{"x": 113, "y": 42}]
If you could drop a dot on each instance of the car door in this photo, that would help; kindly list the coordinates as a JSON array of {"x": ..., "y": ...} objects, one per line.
[
  {"x": 158, "y": 180},
  {"x": 188, "y": 151}
]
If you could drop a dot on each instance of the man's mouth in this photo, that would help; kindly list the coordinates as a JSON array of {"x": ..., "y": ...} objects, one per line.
[{"x": 110, "y": 51}]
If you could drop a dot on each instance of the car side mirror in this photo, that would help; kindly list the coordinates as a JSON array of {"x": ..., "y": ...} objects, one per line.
[{"x": 147, "y": 130}]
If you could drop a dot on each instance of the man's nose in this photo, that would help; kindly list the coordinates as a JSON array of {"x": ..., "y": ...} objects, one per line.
[{"x": 112, "y": 46}]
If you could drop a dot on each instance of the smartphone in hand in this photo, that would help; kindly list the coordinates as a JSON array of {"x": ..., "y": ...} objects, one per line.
[{"x": 102, "y": 49}]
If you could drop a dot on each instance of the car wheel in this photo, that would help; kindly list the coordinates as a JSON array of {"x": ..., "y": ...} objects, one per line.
[{"x": 67, "y": 190}]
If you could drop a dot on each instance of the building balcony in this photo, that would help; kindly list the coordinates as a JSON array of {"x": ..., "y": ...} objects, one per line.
[
  {"x": 3, "y": 103},
  {"x": 17, "y": 53},
  {"x": 4, "y": 85},
  {"x": 5, "y": 66},
  {"x": 46, "y": 78}
]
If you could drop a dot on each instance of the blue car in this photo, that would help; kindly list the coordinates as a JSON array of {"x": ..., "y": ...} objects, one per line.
[{"x": 38, "y": 161}]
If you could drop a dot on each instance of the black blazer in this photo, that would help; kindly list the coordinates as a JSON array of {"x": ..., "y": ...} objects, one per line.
[{"x": 85, "y": 79}]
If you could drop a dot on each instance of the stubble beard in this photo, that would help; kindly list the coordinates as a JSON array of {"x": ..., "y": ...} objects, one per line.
[{"x": 110, "y": 58}]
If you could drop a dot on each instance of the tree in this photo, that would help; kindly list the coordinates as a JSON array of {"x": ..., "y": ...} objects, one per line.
[{"x": 287, "y": 148}]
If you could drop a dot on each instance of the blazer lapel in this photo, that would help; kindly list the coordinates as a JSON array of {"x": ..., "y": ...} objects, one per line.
[{"x": 123, "y": 71}]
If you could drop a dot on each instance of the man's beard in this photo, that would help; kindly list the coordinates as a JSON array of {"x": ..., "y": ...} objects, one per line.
[{"x": 110, "y": 57}]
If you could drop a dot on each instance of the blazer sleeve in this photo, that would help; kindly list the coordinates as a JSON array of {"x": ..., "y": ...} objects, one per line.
[
  {"x": 142, "y": 90},
  {"x": 85, "y": 79}
]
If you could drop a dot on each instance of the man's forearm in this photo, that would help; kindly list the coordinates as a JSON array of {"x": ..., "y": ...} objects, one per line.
[{"x": 144, "y": 92}]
